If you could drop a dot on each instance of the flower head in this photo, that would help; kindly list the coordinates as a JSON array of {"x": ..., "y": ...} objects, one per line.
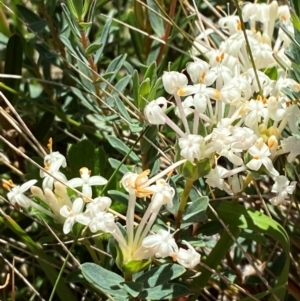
[
  {"x": 86, "y": 181},
  {"x": 190, "y": 147},
  {"x": 188, "y": 258},
  {"x": 282, "y": 187},
  {"x": 16, "y": 193},
  {"x": 71, "y": 213}
]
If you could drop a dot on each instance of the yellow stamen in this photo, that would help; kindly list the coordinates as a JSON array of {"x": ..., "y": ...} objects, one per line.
[
  {"x": 8, "y": 184},
  {"x": 180, "y": 92},
  {"x": 84, "y": 170},
  {"x": 217, "y": 94},
  {"x": 256, "y": 157},
  {"x": 295, "y": 101},
  {"x": 201, "y": 79},
  {"x": 47, "y": 165},
  {"x": 169, "y": 175},
  {"x": 239, "y": 26},
  {"x": 50, "y": 143},
  {"x": 271, "y": 143}
]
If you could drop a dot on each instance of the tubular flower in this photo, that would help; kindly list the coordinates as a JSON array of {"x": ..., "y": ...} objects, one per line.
[
  {"x": 71, "y": 213},
  {"x": 260, "y": 153},
  {"x": 86, "y": 181},
  {"x": 16, "y": 193},
  {"x": 190, "y": 147},
  {"x": 173, "y": 80},
  {"x": 155, "y": 111},
  {"x": 283, "y": 187},
  {"x": 188, "y": 258}
]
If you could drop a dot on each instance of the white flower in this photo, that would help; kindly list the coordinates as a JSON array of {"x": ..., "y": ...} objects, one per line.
[
  {"x": 53, "y": 170},
  {"x": 16, "y": 194},
  {"x": 155, "y": 111},
  {"x": 256, "y": 110},
  {"x": 95, "y": 220},
  {"x": 86, "y": 181},
  {"x": 190, "y": 147},
  {"x": 292, "y": 114},
  {"x": 71, "y": 213},
  {"x": 163, "y": 194},
  {"x": 173, "y": 80},
  {"x": 55, "y": 157},
  {"x": 197, "y": 70},
  {"x": 230, "y": 23},
  {"x": 214, "y": 178},
  {"x": 282, "y": 187},
  {"x": 260, "y": 153},
  {"x": 162, "y": 244},
  {"x": 188, "y": 258},
  {"x": 133, "y": 183},
  {"x": 291, "y": 145}
]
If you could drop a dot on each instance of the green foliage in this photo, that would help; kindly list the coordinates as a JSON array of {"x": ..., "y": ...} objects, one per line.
[{"x": 153, "y": 285}]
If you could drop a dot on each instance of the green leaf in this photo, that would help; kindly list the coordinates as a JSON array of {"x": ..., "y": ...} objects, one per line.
[
  {"x": 116, "y": 164},
  {"x": 196, "y": 170},
  {"x": 33, "y": 21},
  {"x": 135, "y": 266},
  {"x": 296, "y": 6},
  {"x": 155, "y": 19},
  {"x": 133, "y": 288},
  {"x": 144, "y": 90},
  {"x": 13, "y": 65},
  {"x": 136, "y": 37},
  {"x": 85, "y": 25},
  {"x": 105, "y": 280},
  {"x": 151, "y": 72},
  {"x": 136, "y": 85},
  {"x": 165, "y": 291},
  {"x": 84, "y": 154},
  {"x": 195, "y": 212},
  {"x": 86, "y": 7},
  {"x": 153, "y": 93},
  {"x": 70, "y": 21},
  {"x": 76, "y": 8},
  {"x": 214, "y": 258},
  {"x": 121, "y": 147},
  {"x": 161, "y": 275},
  {"x": 238, "y": 216},
  {"x": 92, "y": 48},
  {"x": 103, "y": 40},
  {"x": 44, "y": 126}
]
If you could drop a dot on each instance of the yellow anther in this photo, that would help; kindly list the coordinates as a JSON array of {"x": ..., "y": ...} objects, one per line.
[
  {"x": 256, "y": 157},
  {"x": 84, "y": 170},
  {"x": 47, "y": 165},
  {"x": 217, "y": 94},
  {"x": 180, "y": 92},
  {"x": 201, "y": 79},
  {"x": 8, "y": 184},
  {"x": 239, "y": 26},
  {"x": 50, "y": 143}
]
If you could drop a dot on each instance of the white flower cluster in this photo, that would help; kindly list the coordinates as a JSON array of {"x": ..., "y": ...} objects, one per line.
[
  {"x": 243, "y": 111},
  {"x": 94, "y": 213}
]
